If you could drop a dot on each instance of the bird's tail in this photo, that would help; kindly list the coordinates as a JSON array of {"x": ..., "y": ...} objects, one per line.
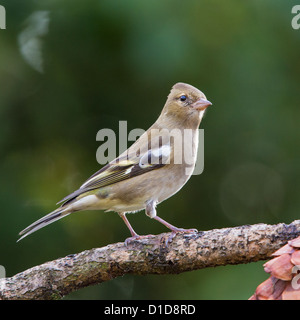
[{"x": 49, "y": 218}]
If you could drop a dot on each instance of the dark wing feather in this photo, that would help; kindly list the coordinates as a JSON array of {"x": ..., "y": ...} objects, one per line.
[{"x": 113, "y": 173}]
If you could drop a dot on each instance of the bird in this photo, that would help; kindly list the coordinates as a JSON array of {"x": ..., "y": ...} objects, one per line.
[{"x": 151, "y": 170}]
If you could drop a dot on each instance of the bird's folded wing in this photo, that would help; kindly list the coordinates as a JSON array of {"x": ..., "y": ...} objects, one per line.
[{"x": 123, "y": 168}]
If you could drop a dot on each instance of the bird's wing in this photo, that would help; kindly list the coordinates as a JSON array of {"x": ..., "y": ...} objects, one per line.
[{"x": 123, "y": 168}]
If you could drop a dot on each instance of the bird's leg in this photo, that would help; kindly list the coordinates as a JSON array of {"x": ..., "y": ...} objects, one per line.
[
  {"x": 174, "y": 229},
  {"x": 134, "y": 235},
  {"x": 150, "y": 208},
  {"x": 123, "y": 216},
  {"x": 151, "y": 212}
]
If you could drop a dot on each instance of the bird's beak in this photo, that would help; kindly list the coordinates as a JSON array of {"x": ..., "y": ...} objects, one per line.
[{"x": 201, "y": 104}]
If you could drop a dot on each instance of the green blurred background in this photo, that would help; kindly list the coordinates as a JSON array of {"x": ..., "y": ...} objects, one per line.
[{"x": 70, "y": 68}]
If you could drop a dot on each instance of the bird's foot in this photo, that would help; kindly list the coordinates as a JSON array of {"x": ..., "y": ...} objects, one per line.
[
  {"x": 137, "y": 238},
  {"x": 175, "y": 231}
]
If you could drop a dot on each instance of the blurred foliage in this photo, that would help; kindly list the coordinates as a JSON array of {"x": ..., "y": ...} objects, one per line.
[{"x": 70, "y": 68}]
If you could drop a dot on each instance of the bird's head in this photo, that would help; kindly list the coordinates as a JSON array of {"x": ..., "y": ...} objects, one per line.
[{"x": 185, "y": 103}]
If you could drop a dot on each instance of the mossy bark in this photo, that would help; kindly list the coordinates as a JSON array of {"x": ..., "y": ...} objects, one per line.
[{"x": 186, "y": 252}]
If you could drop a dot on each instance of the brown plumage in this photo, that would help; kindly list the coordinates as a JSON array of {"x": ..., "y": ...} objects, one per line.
[{"x": 150, "y": 171}]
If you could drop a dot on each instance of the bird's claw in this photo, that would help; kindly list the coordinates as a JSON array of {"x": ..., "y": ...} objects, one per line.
[
  {"x": 137, "y": 238},
  {"x": 175, "y": 231}
]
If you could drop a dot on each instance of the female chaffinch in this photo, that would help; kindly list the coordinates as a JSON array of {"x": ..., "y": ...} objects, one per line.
[{"x": 154, "y": 168}]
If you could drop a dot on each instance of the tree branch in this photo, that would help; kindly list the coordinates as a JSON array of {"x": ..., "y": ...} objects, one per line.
[{"x": 54, "y": 279}]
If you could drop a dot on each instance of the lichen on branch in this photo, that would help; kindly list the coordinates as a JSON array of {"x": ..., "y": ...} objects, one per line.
[{"x": 186, "y": 252}]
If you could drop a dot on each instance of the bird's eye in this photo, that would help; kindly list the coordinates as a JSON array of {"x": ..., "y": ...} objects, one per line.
[{"x": 183, "y": 98}]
